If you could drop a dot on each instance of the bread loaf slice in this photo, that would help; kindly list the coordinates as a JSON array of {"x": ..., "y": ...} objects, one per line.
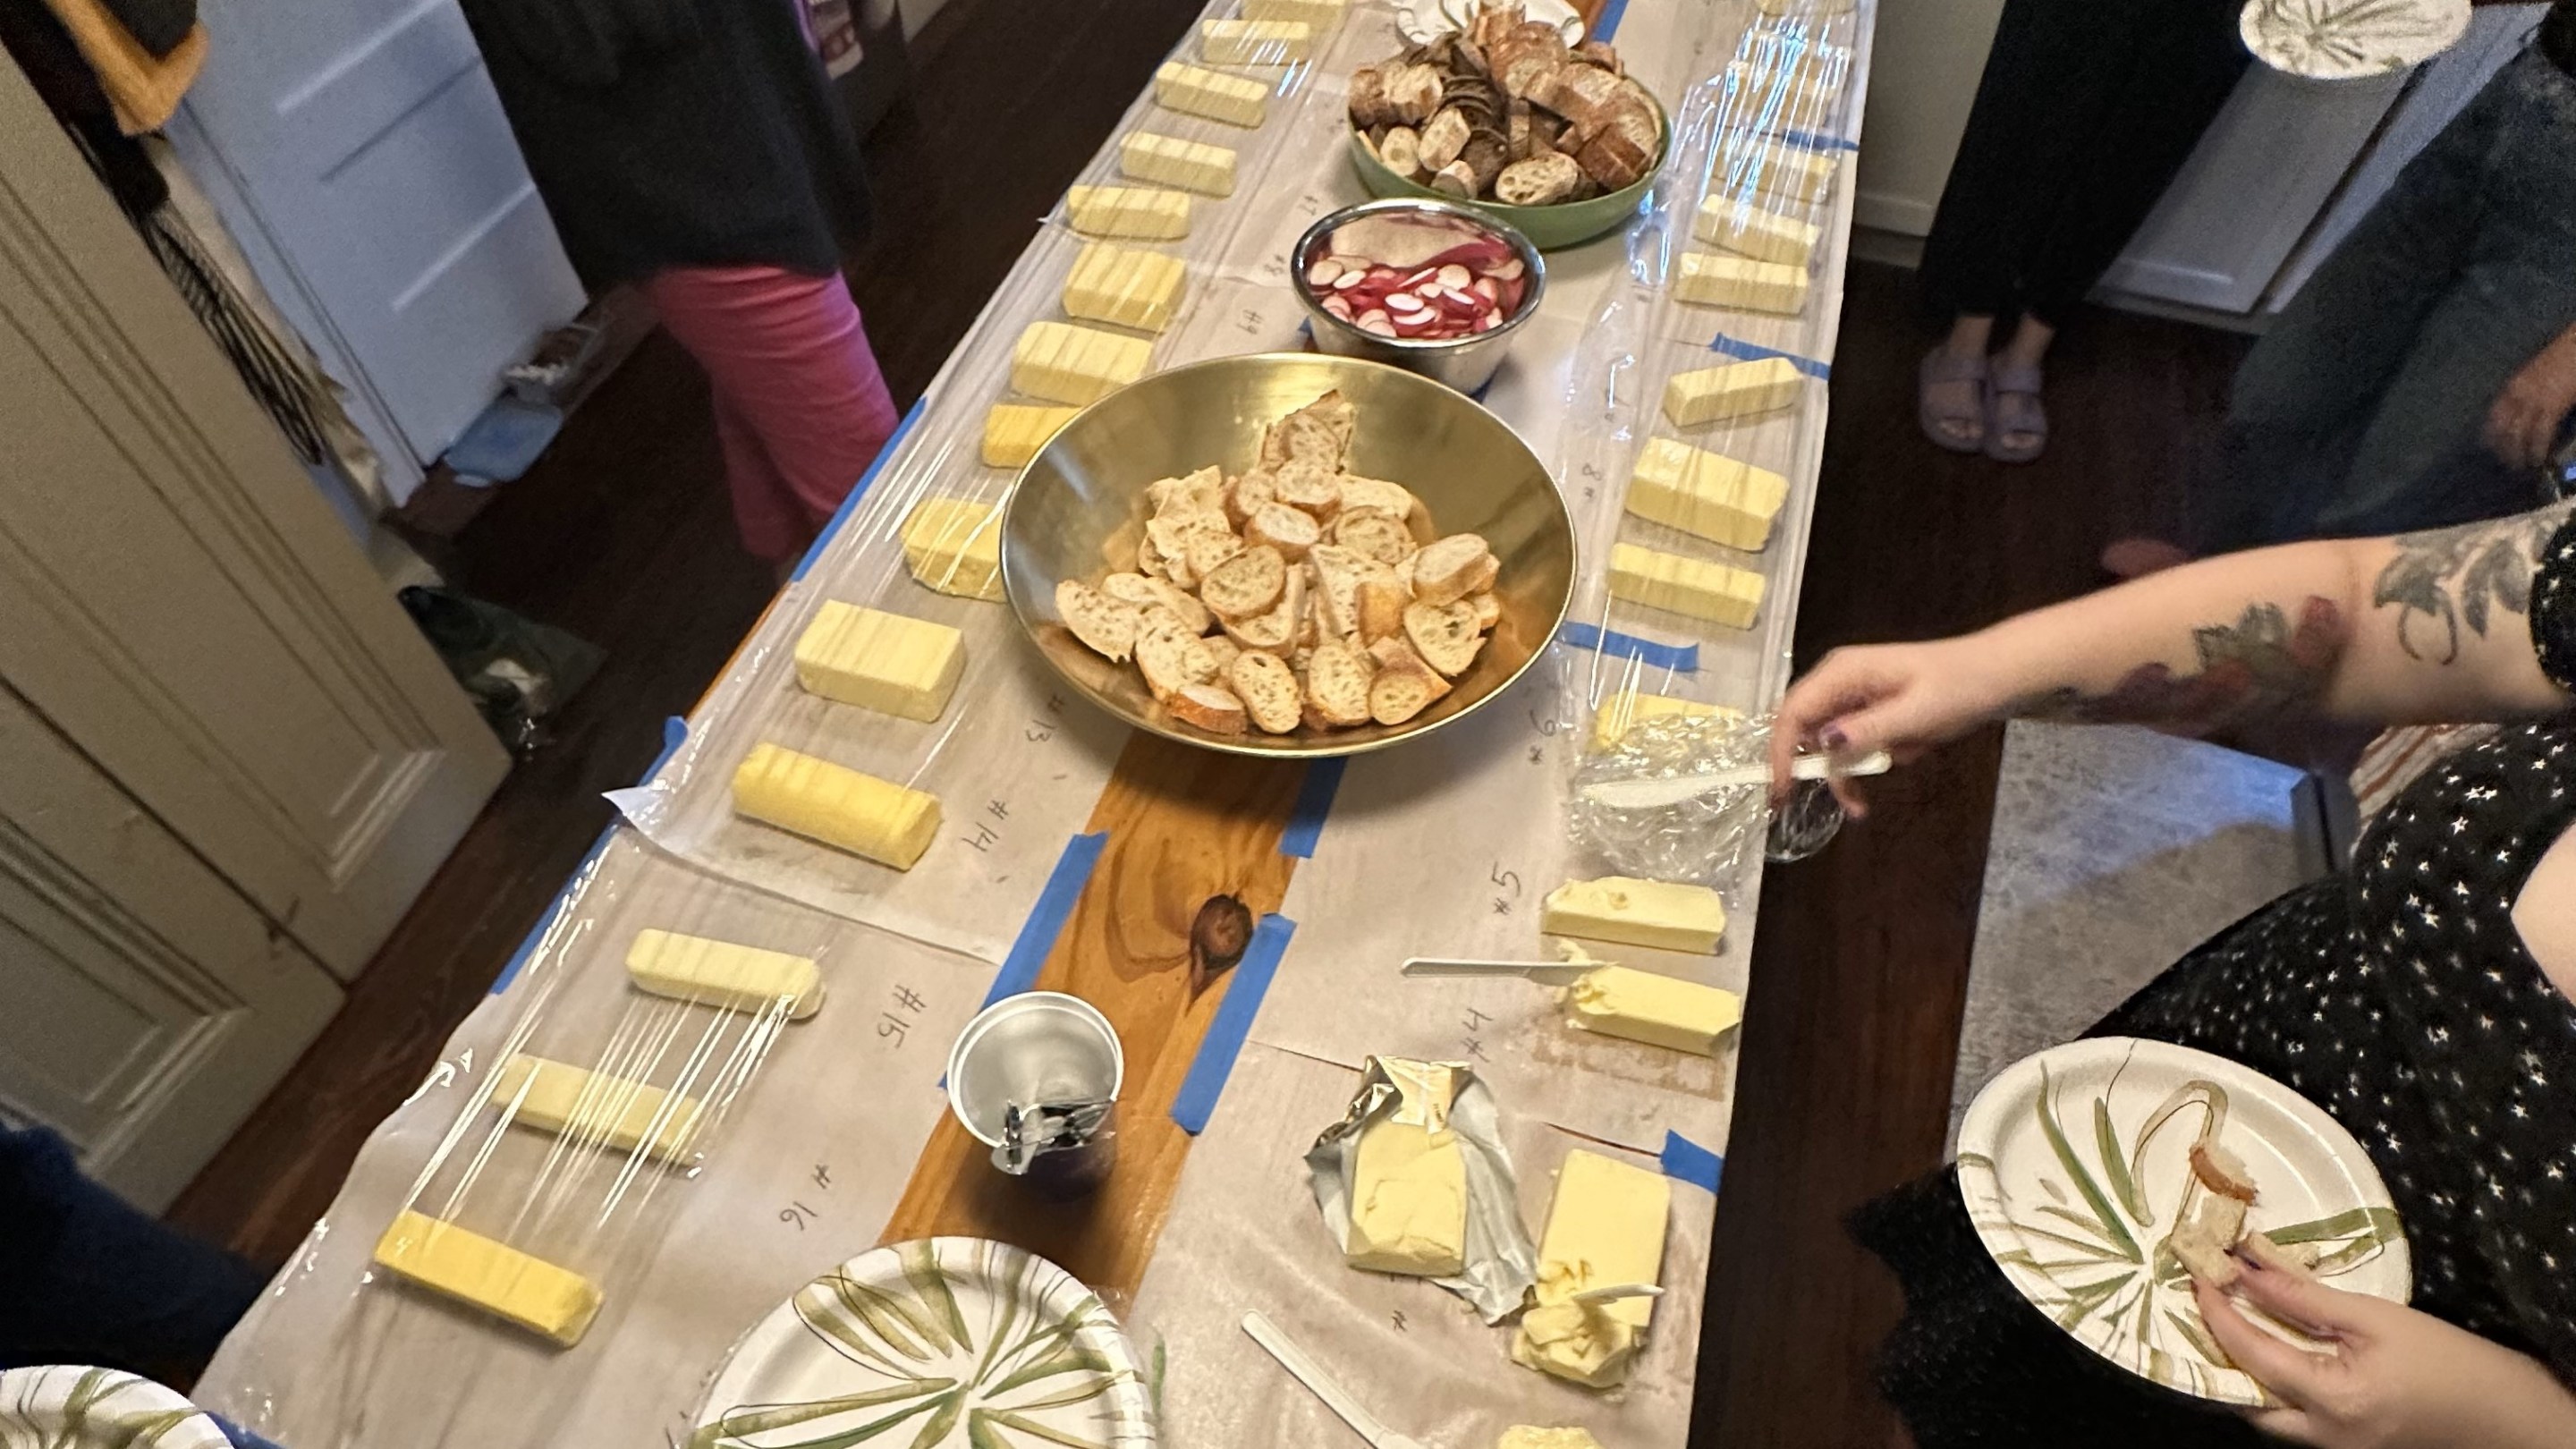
[
  {"x": 1247, "y": 495},
  {"x": 1211, "y": 707},
  {"x": 1337, "y": 684},
  {"x": 1247, "y": 584},
  {"x": 1403, "y": 686},
  {"x": 1275, "y": 630},
  {"x": 1106, "y": 626},
  {"x": 1319, "y": 432},
  {"x": 1309, "y": 485},
  {"x": 1146, "y": 593},
  {"x": 1453, "y": 568},
  {"x": 1382, "y": 602},
  {"x": 1268, "y": 689},
  {"x": 1289, "y": 530},
  {"x": 1337, "y": 571},
  {"x": 1170, "y": 656},
  {"x": 1445, "y": 635},
  {"x": 1372, "y": 534},
  {"x": 1199, "y": 492}
]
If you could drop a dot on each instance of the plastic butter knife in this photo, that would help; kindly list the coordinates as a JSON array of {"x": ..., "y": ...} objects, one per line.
[
  {"x": 1648, "y": 794},
  {"x": 1304, "y": 1370},
  {"x": 1551, "y": 973},
  {"x": 1612, "y": 1292}
]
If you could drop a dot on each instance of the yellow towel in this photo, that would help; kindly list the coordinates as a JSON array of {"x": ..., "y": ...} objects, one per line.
[{"x": 145, "y": 91}]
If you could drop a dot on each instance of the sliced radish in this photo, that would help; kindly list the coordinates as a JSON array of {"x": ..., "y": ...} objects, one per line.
[
  {"x": 1377, "y": 322},
  {"x": 1453, "y": 275},
  {"x": 1488, "y": 289},
  {"x": 1509, "y": 269},
  {"x": 1404, "y": 302},
  {"x": 1339, "y": 308},
  {"x": 1488, "y": 322},
  {"x": 1348, "y": 280},
  {"x": 1323, "y": 273}
]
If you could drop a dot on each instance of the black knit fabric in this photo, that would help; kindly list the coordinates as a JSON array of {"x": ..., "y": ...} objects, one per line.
[{"x": 670, "y": 133}]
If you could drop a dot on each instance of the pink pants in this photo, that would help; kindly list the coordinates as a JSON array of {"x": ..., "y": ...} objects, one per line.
[{"x": 801, "y": 409}]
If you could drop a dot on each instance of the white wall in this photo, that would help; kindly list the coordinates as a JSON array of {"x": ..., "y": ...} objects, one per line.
[{"x": 1923, "y": 74}]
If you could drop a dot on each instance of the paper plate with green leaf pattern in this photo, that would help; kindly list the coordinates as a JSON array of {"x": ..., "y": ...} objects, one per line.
[
  {"x": 937, "y": 1342},
  {"x": 96, "y": 1408},
  {"x": 2075, "y": 1165}
]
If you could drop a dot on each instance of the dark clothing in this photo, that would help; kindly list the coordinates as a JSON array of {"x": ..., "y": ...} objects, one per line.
[
  {"x": 677, "y": 133},
  {"x": 156, "y": 25},
  {"x": 86, "y": 1279},
  {"x": 2400, "y": 998},
  {"x": 2363, "y": 409},
  {"x": 2086, "y": 111}
]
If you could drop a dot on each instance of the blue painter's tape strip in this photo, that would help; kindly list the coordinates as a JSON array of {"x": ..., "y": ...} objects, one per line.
[
  {"x": 1314, "y": 802},
  {"x": 675, "y": 733},
  {"x": 1248, "y": 983},
  {"x": 1738, "y": 348},
  {"x": 1046, "y": 919},
  {"x": 1818, "y": 141},
  {"x": 1689, "y": 1162},
  {"x": 850, "y": 505},
  {"x": 1608, "y": 25},
  {"x": 555, "y": 911},
  {"x": 1682, "y": 658}
]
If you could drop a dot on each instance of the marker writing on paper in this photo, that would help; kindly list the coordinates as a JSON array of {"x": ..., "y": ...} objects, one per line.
[
  {"x": 797, "y": 1213},
  {"x": 1399, "y": 1322},
  {"x": 891, "y": 1025},
  {"x": 1042, "y": 728},
  {"x": 1510, "y": 881},
  {"x": 1474, "y": 1021}
]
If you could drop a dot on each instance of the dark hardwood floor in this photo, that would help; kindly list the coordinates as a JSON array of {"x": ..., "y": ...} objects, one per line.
[{"x": 622, "y": 534}]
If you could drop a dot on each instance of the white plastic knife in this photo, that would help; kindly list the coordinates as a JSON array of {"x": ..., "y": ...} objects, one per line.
[
  {"x": 1551, "y": 973},
  {"x": 1304, "y": 1370},
  {"x": 1649, "y": 794}
]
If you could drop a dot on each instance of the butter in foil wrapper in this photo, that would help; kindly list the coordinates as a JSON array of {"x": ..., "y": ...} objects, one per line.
[{"x": 1431, "y": 1133}]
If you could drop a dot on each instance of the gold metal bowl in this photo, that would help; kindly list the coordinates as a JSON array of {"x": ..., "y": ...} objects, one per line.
[{"x": 1078, "y": 511}]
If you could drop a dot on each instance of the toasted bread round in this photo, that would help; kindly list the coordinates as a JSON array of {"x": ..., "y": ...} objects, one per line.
[
  {"x": 1489, "y": 610},
  {"x": 1318, "y": 433},
  {"x": 1337, "y": 683},
  {"x": 1247, "y": 584},
  {"x": 1170, "y": 656},
  {"x": 1445, "y": 635},
  {"x": 1337, "y": 572},
  {"x": 1276, "y": 628},
  {"x": 1303, "y": 483},
  {"x": 1289, "y": 530},
  {"x": 1382, "y": 602},
  {"x": 1212, "y": 707},
  {"x": 1247, "y": 495},
  {"x": 1106, "y": 626},
  {"x": 1372, "y": 534},
  {"x": 1146, "y": 593},
  {"x": 1268, "y": 689},
  {"x": 1453, "y": 568},
  {"x": 2222, "y": 1171},
  {"x": 1224, "y": 651},
  {"x": 1200, "y": 492}
]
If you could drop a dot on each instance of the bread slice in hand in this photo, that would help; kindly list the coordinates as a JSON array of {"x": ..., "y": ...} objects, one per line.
[
  {"x": 1453, "y": 568},
  {"x": 2222, "y": 1171},
  {"x": 1445, "y": 635},
  {"x": 1106, "y": 626},
  {"x": 1291, "y": 531},
  {"x": 1268, "y": 689},
  {"x": 2299, "y": 1260},
  {"x": 1146, "y": 593},
  {"x": 1337, "y": 684},
  {"x": 1247, "y": 584},
  {"x": 1211, "y": 707}
]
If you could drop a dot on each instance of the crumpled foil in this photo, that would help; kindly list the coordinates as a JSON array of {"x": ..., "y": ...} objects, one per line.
[
  {"x": 1502, "y": 1262},
  {"x": 1702, "y": 840}
]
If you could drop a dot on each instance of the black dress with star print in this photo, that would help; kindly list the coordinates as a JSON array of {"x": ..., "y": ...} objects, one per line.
[{"x": 2399, "y": 997}]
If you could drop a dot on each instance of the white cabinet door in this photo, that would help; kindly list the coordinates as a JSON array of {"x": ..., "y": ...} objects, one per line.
[
  {"x": 150, "y": 1007},
  {"x": 367, "y": 140},
  {"x": 178, "y": 602}
]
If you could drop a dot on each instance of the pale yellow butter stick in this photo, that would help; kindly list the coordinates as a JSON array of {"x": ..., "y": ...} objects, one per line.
[
  {"x": 723, "y": 974},
  {"x": 891, "y": 663},
  {"x": 1663, "y": 1011},
  {"x": 1707, "y": 495},
  {"x": 1408, "y": 1201},
  {"x": 836, "y": 805},
  {"x": 492, "y": 1276},
  {"x": 595, "y": 1108}
]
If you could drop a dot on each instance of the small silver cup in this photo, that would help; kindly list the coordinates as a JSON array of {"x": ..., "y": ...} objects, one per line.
[{"x": 1026, "y": 1055}]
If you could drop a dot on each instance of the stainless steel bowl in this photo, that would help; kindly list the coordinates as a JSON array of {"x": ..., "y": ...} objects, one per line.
[
  {"x": 1078, "y": 511},
  {"x": 1465, "y": 363}
]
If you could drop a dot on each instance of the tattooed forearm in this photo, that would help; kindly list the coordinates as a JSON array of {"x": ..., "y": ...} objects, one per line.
[
  {"x": 2449, "y": 578},
  {"x": 2251, "y": 669}
]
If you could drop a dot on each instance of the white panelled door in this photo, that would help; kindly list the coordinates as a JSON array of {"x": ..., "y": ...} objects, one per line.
[
  {"x": 367, "y": 140},
  {"x": 228, "y": 761}
]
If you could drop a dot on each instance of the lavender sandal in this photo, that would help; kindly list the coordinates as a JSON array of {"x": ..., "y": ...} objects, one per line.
[
  {"x": 2013, "y": 412},
  {"x": 1940, "y": 367}
]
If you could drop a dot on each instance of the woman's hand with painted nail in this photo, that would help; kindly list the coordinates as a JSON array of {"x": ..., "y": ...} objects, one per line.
[{"x": 1901, "y": 698}]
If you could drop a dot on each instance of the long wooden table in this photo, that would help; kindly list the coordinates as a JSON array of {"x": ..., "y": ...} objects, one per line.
[{"x": 1075, "y": 858}]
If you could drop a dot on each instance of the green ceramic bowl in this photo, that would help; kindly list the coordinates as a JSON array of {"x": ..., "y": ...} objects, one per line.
[{"x": 1549, "y": 228}]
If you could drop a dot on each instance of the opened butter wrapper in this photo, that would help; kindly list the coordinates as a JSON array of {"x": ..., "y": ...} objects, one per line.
[{"x": 1416, "y": 1181}]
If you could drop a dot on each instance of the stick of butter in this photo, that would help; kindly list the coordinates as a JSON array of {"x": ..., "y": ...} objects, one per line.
[
  {"x": 1013, "y": 432},
  {"x": 1710, "y": 280},
  {"x": 722, "y": 974},
  {"x": 1318, "y": 15},
  {"x": 1703, "y": 590},
  {"x": 1739, "y": 226},
  {"x": 1707, "y": 495},
  {"x": 1254, "y": 42},
  {"x": 1632, "y": 912},
  {"x": 1211, "y": 93},
  {"x": 1146, "y": 213},
  {"x": 1663, "y": 1011},
  {"x": 594, "y": 1108},
  {"x": 1127, "y": 286},
  {"x": 492, "y": 1276},
  {"x": 1628, "y": 708},
  {"x": 1408, "y": 1202},
  {"x": 1063, "y": 363},
  {"x": 954, "y": 545},
  {"x": 1522, "y": 1436},
  {"x": 836, "y": 805},
  {"x": 1793, "y": 174},
  {"x": 1605, "y": 1225},
  {"x": 1731, "y": 391},
  {"x": 889, "y": 663},
  {"x": 1171, "y": 161}
]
